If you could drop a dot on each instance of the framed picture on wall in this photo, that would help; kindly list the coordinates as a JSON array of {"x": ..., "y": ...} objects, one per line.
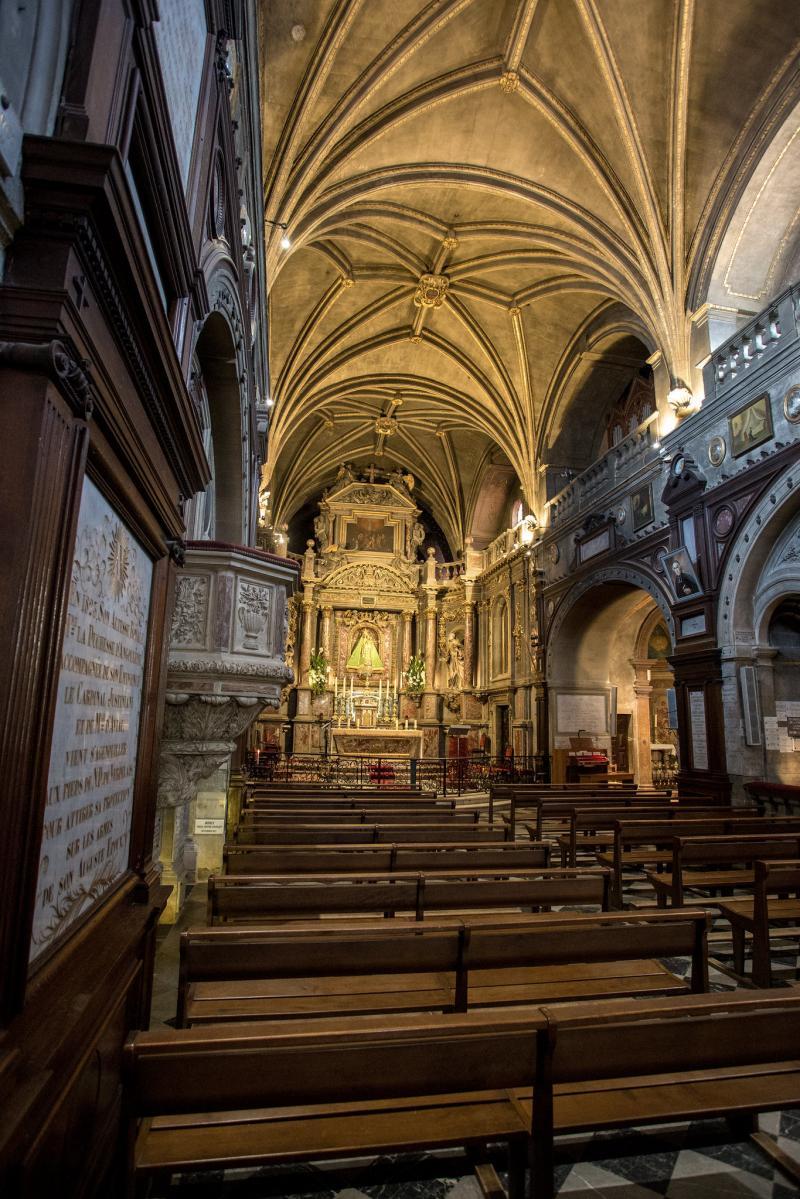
[
  {"x": 369, "y": 533},
  {"x": 681, "y": 572},
  {"x": 751, "y": 426},
  {"x": 642, "y": 507}
]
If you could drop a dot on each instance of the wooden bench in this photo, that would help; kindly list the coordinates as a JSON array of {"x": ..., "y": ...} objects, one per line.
[
  {"x": 282, "y": 816},
  {"x": 260, "y": 897},
  {"x": 255, "y": 1095},
  {"x": 769, "y": 904},
  {"x": 559, "y": 809},
  {"x": 321, "y": 859},
  {"x": 230, "y": 974},
  {"x": 639, "y": 843},
  {"x": 618, "y": 1063},
  {"x": 352, "y": 834},
  {"x": 719, "y": 863},
  {"x": 593, "y": 830},
  {"x": 261, "y": 803},
  {"x": 520, "y": 798}
]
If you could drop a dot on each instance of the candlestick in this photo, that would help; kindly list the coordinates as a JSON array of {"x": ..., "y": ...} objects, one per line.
[{"x": 336, "y": 688}]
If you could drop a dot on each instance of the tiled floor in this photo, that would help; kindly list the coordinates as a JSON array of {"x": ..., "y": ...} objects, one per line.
[{"x": 702, "y": 1160}]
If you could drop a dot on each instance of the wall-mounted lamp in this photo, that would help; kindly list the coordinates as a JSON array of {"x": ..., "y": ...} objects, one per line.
[{"x": 286, "y": 241}]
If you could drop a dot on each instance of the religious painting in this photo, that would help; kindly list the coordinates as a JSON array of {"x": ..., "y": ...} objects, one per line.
[
  {"x": 369, "y": 533},
  {"x": 642, "y": 507},
  {"x": 751, "y": 425},
  {"x": 680, "y": 570}
]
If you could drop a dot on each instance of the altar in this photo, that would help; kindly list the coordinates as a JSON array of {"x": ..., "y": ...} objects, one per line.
[{"x": 378, "y": 743}]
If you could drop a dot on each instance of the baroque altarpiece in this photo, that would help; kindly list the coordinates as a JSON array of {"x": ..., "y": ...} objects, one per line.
[{"x": 371, "y": 600}]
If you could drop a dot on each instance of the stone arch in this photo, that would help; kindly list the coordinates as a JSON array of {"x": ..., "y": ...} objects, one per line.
[
  {"x": 611, "y": 574},
  {"x": 762, "y": 568},
  {"x": 216, "y": 358},
  {"x": 598, "y": 651}
]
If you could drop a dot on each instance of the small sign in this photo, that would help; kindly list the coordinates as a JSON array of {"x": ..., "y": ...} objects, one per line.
[
  {"x": 208, "y": 824},
  {"x": 793, "y": 726}
]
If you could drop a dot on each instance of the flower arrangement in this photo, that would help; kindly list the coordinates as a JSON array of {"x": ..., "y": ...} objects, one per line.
[
  {"x": 415, "y": 675},
  {"x": 318, "y": 672}
]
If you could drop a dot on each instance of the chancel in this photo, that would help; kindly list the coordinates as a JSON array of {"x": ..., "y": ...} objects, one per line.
[{"x": 400, "y": 598}]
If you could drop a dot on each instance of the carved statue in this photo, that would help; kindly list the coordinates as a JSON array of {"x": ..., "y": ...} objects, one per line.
[
  {"x": 417, "y": 536},
  {"x": 455, "y": 663},
  {"x": 321, "y": 532},
  {"x": 365, "y": 654},
  {"x": 345, "y": 474}
]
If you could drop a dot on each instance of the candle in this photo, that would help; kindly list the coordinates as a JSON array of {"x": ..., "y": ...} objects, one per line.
[
  {"x": 336, "y": 687},
  {"x": 397, "y": 722},
  {"x": 406, "y": 725},
  {"x": 380, "y": 695},
  {"x": 415, "y": 724}
]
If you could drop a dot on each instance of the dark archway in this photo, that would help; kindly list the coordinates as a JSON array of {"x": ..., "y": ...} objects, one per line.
[{"x": 216, "y": 355}]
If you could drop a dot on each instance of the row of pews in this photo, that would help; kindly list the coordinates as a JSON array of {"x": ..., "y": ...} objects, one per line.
[{"x": 385, "y": 971}]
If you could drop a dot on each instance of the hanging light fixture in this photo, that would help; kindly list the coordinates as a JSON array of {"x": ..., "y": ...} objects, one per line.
[{"x": 286, "y": 241}]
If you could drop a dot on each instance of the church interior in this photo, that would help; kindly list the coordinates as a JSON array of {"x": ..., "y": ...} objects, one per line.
[{"x": 400, "y": 605}]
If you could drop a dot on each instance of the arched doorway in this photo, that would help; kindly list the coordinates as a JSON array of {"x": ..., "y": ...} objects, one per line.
[{"x": 610, "y": 683}]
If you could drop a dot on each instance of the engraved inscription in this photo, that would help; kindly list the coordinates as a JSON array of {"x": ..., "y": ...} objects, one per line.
[{"x": 86, "y": 832}]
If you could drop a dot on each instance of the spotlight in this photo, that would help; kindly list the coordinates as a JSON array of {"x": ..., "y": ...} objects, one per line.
[{"x": 286, "y": 242}]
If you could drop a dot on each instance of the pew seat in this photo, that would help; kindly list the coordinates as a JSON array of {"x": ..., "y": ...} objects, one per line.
[
  {"x": 621, "y": 1063},
  {"x": 271, "y": 973},
  {"x": 213, "y": 1098}
]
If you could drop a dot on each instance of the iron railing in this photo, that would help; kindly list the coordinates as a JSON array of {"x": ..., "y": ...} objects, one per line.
[{"x": 443, "y": 775}]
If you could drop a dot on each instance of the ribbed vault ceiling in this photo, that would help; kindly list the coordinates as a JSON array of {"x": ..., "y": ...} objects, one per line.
[{"x": 567, "y": 169}]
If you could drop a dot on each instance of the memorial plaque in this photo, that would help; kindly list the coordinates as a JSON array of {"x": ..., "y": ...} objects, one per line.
[
  {"x": 86, "y": 834},
  {"x": 697, "y": 715},
  {"x": 585, "y": 711}
]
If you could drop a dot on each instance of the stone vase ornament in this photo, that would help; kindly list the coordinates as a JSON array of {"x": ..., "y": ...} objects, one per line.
[{"x": 252, "y": 612}]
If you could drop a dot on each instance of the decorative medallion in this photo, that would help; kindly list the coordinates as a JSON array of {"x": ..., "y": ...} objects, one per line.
[
  {"x": 432, "y": 291},
  {"x": 791, "y": 405},
  {"x": 387, "y": 425},
  {"x": 717, "y": 449},
  {"x": 724, "y": 520},
  {"x": 550, "y": 608},
  {"x": 553, "y": 553},
  {"x": 621, "y": 514},
  {"x": 677, "y": 466}
]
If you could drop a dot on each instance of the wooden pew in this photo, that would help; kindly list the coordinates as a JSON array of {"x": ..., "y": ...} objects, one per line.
[
  {"x": 318, "y": 803},
  {"x": 281, "y": 816},
  {"x": 304, "y": 791},
  {"x": 638, "y": 843},
  {"x": 269, "y": 897},
  {"x": 321, "y": 859},
  {"x": 593, "y": 830},
  {"x": 717, "y": 863},
  {"x": 256, "y": 1095},
  {"x": 559, "y": 807},
  {"x": 227, "y": 974},
  {"x": 769, "y": 904},
  {"x": 352, "y": 834},
  {"x": 617, "y": 1063},
  {"x": 522, "y": 795}
]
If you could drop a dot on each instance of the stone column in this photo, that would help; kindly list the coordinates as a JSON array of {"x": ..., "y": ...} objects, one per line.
[
  {"x": 469, "y": 616},
  {"x": 483, "y": 643},
  {"x": 642, "y": 692},
  {"x": 325, "y": 631},
  {"x": 403, "y": 645},
  {"x": 306, "y": 639},
  {"x": 430, "y": 644}
]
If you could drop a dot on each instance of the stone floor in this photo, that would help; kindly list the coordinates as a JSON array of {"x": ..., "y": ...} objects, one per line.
[{"x": 700, "y": 1160}]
